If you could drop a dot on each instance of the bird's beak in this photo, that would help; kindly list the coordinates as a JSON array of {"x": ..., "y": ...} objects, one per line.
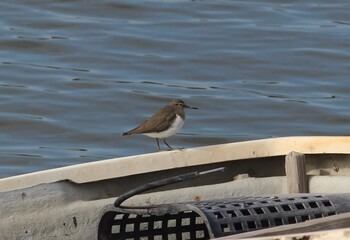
[{"x": 186, "y": 106}]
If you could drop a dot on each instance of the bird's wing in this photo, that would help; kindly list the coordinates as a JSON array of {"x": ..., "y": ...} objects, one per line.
[{"x": 157, "y": 123}]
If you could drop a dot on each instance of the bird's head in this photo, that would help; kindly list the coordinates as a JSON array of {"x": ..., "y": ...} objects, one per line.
[{"x": 180, "y": 104}]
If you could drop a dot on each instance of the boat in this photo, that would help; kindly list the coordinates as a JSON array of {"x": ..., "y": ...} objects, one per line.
[{"x": 81, "y": 201}]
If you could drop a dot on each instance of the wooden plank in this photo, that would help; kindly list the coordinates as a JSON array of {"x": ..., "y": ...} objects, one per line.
[
  {"x": 296, "y": 174},
  {"x": 155, "y": 162}
]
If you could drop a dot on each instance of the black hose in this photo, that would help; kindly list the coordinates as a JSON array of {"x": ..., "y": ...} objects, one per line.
[{"x": 160, "y": 183}]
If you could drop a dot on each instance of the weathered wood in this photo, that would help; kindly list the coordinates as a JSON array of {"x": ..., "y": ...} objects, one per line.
[{"x": 296, "y": 173}]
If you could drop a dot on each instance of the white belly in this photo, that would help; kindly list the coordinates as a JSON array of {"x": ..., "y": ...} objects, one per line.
[{"x": 174, "y": 128}]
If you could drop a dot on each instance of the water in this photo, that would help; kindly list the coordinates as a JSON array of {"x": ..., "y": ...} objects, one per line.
[{"x": 75, "y": 74}]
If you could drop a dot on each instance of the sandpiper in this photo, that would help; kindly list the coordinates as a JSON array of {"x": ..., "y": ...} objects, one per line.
[{"x": 165, "y": 123}]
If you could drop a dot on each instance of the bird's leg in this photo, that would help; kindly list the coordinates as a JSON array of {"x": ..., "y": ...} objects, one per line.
[
  {"x": 170, "y": 148},
  {"x": 158, "y": 144}
]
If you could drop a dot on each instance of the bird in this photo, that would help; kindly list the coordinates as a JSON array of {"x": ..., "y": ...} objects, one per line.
[{"x": 164, "y": 123}]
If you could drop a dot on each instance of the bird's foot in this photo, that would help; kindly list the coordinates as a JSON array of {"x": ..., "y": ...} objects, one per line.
[
  {"x": 170, "y": 149},
  {"x": 175, "y": 149}
]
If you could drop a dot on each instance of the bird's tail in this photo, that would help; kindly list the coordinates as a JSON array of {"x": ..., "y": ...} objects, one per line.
[{"x": 126, "y": 133}]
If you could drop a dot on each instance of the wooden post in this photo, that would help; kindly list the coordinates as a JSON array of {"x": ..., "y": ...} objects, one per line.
[{"x": 297, "y": 181}]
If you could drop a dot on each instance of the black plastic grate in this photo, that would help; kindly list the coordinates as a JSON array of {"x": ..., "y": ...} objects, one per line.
[
  {"x": 212, "y": 219},
  {"x": 237, "y": 216},
  {"x": 182, "y": 226}
]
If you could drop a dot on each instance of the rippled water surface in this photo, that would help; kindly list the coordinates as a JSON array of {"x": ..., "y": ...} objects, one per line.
[{"x": 75, "y": 74}]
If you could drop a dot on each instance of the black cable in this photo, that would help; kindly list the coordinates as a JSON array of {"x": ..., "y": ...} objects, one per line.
[{"x": 160, "y": 183}]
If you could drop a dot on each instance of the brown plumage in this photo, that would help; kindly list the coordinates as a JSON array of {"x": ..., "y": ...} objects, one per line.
[
  {"x": 157, "y": 123},
  {"x": 162, "y": 120}
]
